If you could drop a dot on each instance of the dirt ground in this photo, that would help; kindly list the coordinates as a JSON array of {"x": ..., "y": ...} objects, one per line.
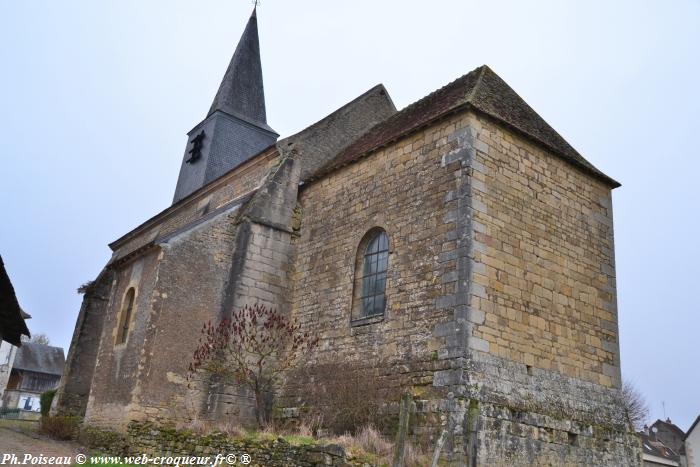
[{"x": 19, "y": 438}]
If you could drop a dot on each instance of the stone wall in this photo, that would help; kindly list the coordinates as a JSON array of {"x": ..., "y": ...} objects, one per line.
[
  {"x": 118, "y": 364},
  {"x": 180, "y": 286},
  {"x": 74, "y": 388},
  {"x": 500, "y": 290},
  {"x": 414, "y": 190},
  {"x": 153, "y": 440},
  {"x": 403, "y": 189},
  {"x": 541, "y": 315},
  {"x": 224, "y": 246},
  {"x": 510, "y": 437},
  {"x": 500, "y": 319},
  {"x": 234, "y": 255},
  {"x": 263, "y": 273},
  {"x": 538, "y": 307},
  {"x": 240, "y": 181},
  {"x": 180, "y": 282},
  {"x": 544, "y": 259}
]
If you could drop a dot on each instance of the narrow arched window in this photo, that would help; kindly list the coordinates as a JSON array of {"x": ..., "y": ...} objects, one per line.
[
  {"x": 125, "y": 316},
  {"x": 372, "y": 262}
]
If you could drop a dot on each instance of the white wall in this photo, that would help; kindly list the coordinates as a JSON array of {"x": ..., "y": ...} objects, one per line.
[
  {"x": 29, "y": 401},
  {"x": 692, "y": 447},
  {"x": 7, "y": 358}
]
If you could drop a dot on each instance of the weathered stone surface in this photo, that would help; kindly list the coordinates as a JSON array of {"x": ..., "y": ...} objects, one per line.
[
  {"x": 74, "y": 389},
  {"x": 151, "y": 440},
  {"x": 501, "y": 313}
]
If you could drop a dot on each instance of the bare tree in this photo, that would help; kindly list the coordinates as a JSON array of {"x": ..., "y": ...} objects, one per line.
[
  {"x": 635, "y": 406},
  {"x": 37, "y": 339},
  {"x": 253, "y": 348}
]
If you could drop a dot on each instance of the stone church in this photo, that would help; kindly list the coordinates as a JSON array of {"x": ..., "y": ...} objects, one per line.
[{"x": 461, "y": 240}]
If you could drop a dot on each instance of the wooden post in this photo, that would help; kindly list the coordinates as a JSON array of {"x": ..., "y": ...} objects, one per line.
[{"x": 400, "y": 447}]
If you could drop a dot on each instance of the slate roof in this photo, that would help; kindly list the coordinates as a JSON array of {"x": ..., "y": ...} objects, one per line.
[
  {"x": 322, "y": 141},
  {"x": 481, "y": 90},
  {"x": 40, "y": 358},
  {"x": 241, "y": 92},
  {"x": 12, "y": 324},
  {"x": 656, "y": 448},
  {"x": 316, "y": 144}
]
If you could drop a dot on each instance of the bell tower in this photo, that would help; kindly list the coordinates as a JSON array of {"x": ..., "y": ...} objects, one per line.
[{"x": 235, "y": 128}]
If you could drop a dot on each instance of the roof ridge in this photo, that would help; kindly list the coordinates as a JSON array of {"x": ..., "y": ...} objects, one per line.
[
  {"x": 414, "y": 107},
  {"x": 241, "y": 90},
  {"x": 487, "y": 93},
  {"x": 437, "y": 91},
  {"x": 479, "y": 79},
  {"x": 357, "y": 99}
]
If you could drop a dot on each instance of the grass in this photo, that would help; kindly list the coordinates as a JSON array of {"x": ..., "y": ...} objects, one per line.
[
  {"x": 294, "y": 439},
  {"x": 299, "y": 440},
  {"x": 366, "y": 445},
  {"x": 301, "y": 437},
  {"x": 25, "y": 426}
]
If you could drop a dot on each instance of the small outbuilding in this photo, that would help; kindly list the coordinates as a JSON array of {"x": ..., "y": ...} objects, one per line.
[
  {"x": 655, "y": 452},
  {"x": 36, "y": 368}
]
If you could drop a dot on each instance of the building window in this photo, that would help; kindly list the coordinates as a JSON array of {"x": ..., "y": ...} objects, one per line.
[
  {"x": 371, "y": 264},
  {"x": 125, "y": 316}
]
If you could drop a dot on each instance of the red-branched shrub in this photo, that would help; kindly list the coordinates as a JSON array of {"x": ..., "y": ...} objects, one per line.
[{"x": 252, "y": 348}]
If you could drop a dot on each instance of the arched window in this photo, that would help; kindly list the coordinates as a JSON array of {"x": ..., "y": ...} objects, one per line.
[
  {"x": 371, "y": 264},
  {"x": 125, "y": 316}
]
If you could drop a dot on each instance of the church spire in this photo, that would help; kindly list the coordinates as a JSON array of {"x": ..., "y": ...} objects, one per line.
[
  {"x": 235, "y": 128},
  {"x": 241, "y": 91}
]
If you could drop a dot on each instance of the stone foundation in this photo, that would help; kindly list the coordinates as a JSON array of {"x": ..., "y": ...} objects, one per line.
[{"x": 147, "y": 439}]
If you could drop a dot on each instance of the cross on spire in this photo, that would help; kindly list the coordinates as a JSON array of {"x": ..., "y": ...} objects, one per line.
[{"x": 256, "y": 3}]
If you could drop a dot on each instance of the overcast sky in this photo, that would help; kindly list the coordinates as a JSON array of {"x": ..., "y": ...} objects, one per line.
[{"x": 96, "y": 98}]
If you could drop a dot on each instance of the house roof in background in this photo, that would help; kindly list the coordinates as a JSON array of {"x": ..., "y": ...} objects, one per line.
[
  {"x": 40, "y": 358},
  {"x": 654, "y": 447},
  {"x": 669, "y": 424}
]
